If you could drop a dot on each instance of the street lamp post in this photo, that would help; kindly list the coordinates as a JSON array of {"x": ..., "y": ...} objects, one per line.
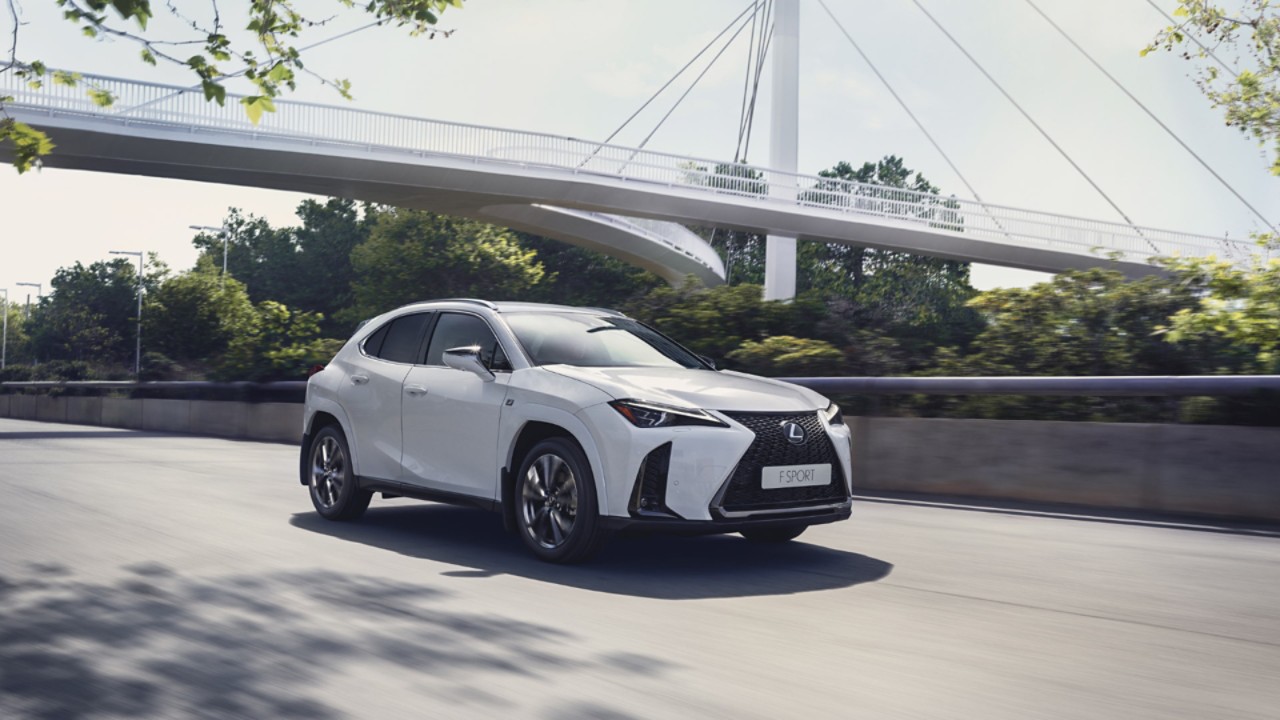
[
  {"x": 39, "y": 293},
  {"x": 226, "y": 236},
  {"x": 137, "y": 361},
  {"x": 4, "y": 339}
]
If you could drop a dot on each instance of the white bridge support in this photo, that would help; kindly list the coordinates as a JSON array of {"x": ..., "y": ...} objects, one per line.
[{"x": 784, "y": 141}]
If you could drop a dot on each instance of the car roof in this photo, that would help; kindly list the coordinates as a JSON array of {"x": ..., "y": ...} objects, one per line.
[{"x": 515, "y": 307}]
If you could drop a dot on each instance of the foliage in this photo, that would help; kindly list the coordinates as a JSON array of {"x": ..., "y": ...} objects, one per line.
[
  {"x": 716, "y": 321},
  {"x": 194, "y": 317},
  {"x": 306, "y": 267},
  {"x": 1079, "y": 323},
  {"x": 278, "y": 344},
  {"x": 412, "y": 255},
  {"x": 1241, "y": 310},
  {"x": 268, "y": 52},
  {"x": 1249, "y": 95},
  {"x": 577, "y": 276},
  {"x": 784, "y": 355},
  {"x": 89, "y": 315}
]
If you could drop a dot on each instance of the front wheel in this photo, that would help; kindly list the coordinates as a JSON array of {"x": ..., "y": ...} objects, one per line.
[
  {"x": 334, "y": 490},
  {"x": 774, "y": 534},
  {"x": 556, "y": 509}
]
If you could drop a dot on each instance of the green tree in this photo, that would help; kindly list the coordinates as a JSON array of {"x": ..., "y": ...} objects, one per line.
[
  {"x": 784, "y": 355},
  {"x": 413, "y": 255},
  {"x": 203, "y": 44},
  {"x": 1241, "y": 308},
  {"x": 578, "y": 276},
  {"x": 307, "y": 267},
  {"x": 716, "y": 321},
  {"x": 89, "y": 314},
  {"x": 1091, "y": 322},
  {"x": 192, "y": 318},
  {"x": 1248, "y": 34},
  {"x": 278, "y": 344}
]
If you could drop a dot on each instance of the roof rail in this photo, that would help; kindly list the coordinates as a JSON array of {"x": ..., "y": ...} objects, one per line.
[
  {"x": 484, "y": 303},
  {"x": 610, "y": 311}
]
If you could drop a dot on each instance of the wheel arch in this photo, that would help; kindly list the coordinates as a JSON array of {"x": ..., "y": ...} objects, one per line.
[{"x": 534, "y": 431}]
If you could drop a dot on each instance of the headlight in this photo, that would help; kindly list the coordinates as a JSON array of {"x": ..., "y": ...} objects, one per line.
[
  {"x": 653, "y": 415},
  {"x": 832, "y": 415}
]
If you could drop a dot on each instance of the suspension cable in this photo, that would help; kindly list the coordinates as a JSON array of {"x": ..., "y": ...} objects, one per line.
[
  {"x": 695, "y": 82},
  {"x": 746, "y": 79},
  {"x": 751, "y": 112},
  {"x": 1150, "y": 114},
  {"x": 755, "y": 64},
  {"x": 902, "y": 103},
  {"x": 681, "y": 71},
  {"x": 1031, "y": 120}
]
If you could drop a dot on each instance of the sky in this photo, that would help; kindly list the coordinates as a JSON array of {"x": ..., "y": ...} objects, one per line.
[{"x": 580, "y": 67}]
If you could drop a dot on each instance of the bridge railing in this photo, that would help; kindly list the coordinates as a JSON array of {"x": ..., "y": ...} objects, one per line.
[{"x": 174, "y": 107}]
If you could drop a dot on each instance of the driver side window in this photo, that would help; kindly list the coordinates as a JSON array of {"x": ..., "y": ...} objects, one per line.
[{"x": 457, "y": 330}]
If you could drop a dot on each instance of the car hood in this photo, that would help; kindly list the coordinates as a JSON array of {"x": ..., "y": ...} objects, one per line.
[{"x": 707, "y": 389}]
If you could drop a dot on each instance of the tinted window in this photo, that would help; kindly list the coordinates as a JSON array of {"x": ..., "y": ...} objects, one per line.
[
  {"x": 373, "y": 343},
  {"x": 456, "y": 330},
  {"x": 404, "y": 337},
  {"x": 596, "y": 341}
]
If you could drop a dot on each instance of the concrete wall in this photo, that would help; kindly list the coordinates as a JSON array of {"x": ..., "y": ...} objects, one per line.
[
  {"x": 1197, "y": 469},
  {"x": 1200, "y": 469}
]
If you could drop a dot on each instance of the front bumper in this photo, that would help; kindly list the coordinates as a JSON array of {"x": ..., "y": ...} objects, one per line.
[{"x": 676, "y": 526}]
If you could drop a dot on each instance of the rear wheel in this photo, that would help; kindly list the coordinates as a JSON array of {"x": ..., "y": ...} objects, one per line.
[
  {"x": 334, "y": 490},
  {"x": 774, "y": 534},
  {"x": 557, "y": 514}
]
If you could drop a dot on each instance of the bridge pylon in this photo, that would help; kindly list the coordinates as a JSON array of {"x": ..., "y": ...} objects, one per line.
[{"x": 784, "y": 140}]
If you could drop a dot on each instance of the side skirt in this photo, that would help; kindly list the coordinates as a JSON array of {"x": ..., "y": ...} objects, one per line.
[{"x": 391, "y": 488}]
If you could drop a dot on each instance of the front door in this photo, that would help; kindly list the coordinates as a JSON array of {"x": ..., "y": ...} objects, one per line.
[{"x": 451, "y": 417}]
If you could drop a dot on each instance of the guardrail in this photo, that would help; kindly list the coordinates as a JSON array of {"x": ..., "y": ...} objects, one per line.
[
  {"x": 1092, "y": 386},
  {"x": 144, "y": 104}
]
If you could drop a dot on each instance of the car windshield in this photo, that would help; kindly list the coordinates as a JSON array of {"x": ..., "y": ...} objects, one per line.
[{"x": 595, "y": 341}]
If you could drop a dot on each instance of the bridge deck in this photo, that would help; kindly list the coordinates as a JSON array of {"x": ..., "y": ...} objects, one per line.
[{"x": 162, "y": 576}]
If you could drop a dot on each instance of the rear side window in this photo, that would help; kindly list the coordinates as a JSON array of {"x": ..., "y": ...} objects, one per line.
[
  {"x": 456, "y": 330},
  {"x": 403, "y": 337},
  {"x": 373, "y": 344}
]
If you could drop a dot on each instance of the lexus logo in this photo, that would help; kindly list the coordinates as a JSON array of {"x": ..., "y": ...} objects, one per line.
[{"x": 794, "y": 433}]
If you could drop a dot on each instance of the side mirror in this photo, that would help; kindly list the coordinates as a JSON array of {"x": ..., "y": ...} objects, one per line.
[
  {"x": 468, "y": 358},
  {"x": 708, "y": 361}
]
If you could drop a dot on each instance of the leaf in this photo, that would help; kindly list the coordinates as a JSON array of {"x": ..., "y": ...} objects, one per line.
[
  {"x": 214, "y": 91},
  {"x": 101, "y": 98},
  {"x": 1181, "y": 11},
  {"x": 148, "y": 57}
]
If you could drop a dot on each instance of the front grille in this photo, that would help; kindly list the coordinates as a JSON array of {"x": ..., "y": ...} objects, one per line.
[{"x": 743, "y": 493}]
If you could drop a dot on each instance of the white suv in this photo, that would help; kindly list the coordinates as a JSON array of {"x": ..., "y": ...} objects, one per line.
[{"x": 571, "y": 422}]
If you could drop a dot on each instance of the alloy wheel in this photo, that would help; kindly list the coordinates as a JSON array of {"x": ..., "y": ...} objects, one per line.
[{"x": 549, "y": 501}]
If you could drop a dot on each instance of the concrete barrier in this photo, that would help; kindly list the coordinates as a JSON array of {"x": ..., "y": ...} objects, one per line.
[
  {"x": 84, "y": 410},
  {"x": 1200, "y": 469},
  {"x": 220, "y": 419},
  {"x": 1193, "y": 469},
  {"x": 23, "y": 407},
  {"x": 51, "y": 409},
  {"x": 166, "y": 415},
  {"x": 277, "y": 422},
  {"x": 122, "y": 413}
]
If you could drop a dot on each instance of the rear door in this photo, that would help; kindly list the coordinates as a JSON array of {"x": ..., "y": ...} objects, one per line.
[
  {"x": 451, "y": 416},
  {"x": 372, "y": 394}
]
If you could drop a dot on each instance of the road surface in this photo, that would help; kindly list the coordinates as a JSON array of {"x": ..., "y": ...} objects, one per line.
[{"x": 156, "y": 576}]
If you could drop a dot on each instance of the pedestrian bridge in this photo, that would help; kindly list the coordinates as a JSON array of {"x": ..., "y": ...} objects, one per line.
[{"x": 627, "y": 202}]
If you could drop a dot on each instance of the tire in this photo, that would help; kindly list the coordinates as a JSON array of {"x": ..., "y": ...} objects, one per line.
[
  {"x": 786, "y": 533},
  {"x": 554, "y": 495},
  {"x": 334, "y": 490}
]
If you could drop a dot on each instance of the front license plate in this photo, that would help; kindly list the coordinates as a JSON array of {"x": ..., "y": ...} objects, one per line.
[{"x": 789, "y": 476}]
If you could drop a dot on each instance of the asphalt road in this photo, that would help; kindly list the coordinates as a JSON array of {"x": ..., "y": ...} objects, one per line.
[{"x": 145, "y": 575}]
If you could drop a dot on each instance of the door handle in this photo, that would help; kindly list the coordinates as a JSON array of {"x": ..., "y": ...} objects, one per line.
[
  {"x": 359, "y": 379},
  {"x": 415, "y": 390}
]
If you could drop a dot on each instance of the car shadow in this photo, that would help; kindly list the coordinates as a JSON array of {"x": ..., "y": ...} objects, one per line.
[{"x": 661, "y": 567}]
